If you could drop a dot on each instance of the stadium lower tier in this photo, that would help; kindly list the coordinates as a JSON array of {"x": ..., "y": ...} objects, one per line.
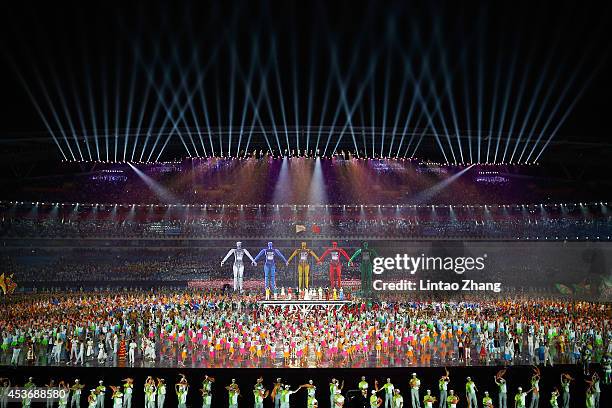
[{"x": 350, "y": 396}]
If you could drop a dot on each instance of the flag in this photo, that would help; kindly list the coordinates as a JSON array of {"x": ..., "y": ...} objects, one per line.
[
  {"x": 7, "y": 284},
  {"x": 299, "y": 228},
  {"x": 316, "y": 229}
]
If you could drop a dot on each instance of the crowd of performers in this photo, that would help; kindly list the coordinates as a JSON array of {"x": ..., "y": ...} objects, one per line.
[
  {"x": 215, "y": 329},
  {"x": 363, "y": 394},
  {"x": 303, "y": 254}
]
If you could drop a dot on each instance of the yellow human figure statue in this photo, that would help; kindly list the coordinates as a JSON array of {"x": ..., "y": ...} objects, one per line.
[{"x": 303, "y": 265}]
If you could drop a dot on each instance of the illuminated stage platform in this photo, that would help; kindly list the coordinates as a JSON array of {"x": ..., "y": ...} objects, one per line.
[{"x": 304, "y": 306}]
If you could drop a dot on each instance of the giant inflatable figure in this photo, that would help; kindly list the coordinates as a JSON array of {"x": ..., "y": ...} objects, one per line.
[
  {"x": 270, "y": 266},
  {"x": 238, "y": 266},
  {"x": 303, "y": 265},
  {"x": 335, "y": 266},
  {"x": 367, "y": 257}
]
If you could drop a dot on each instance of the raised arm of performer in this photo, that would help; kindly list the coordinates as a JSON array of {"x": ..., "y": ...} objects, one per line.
[{"x": 229, "y": 253}]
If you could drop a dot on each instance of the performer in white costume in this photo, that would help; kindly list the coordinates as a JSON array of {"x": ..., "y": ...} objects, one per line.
[{"x": 238, "y": 266}]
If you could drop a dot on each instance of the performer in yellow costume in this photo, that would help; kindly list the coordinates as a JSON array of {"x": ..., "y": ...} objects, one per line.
[{"x": 303, "y": 264}]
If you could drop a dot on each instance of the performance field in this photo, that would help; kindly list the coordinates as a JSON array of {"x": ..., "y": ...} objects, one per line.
[{"x": 322, "y": 204}]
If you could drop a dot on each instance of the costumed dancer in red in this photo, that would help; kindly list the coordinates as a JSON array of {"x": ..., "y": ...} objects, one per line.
[{"x": 335, "y": 266}]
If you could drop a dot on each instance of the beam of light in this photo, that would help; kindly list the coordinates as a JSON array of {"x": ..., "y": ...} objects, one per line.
[
  {"x": 398, "y": 110},
  {"x": 417, "y": 95},
  {"x": 175, "y": 102},
  {"x": 53, "y": 111},
  {"x": 233, "y": 58},
  {"x": 81, "y": 115},
  {"x": 38, "y": 108},
  {"x": 280, "y": 91},
  {"x": 294, "y": 79},
  {"x": 247, "y": 90},
  {"x": 346, "y": 81},
  {"x": 311, "y": 91},
  {"x": 466, "y": 103},
  {"x": 424, "y": 101},
  {"x": 328, "y": 83},
  {"x": 117, "y": 103},
  {"x": 416, "y": 83},
  {"x": 561, "y": 121},
  {"x": 449, "y": 91},
  {"x": 90, "y": 97},
  {"x": 64, "y": 106},
  {"x": 427, "y": 194},
  {"x": 568, "y": 85},
  {"x": 255, "y": 105},
  {"x": 183, "y": 74},
  {"x": 517, "y": 106},
  {"x": 509, "y": 81},
  {"x": 534, "y": 99},
  {"x": 386, "y": 94},
  {"x": 105, "y": 112},
  {"x": 143, "y": 104},
  {"x": 160, "y": 191},
  {"x": 128, "y": 121},
  {"x": 494, "y": 104},
  {"x": 357, "y": 101},
  {"x": 149, "y": 72},
  {"x": 481, "y": 79},
  {"x": 363, "y": 133},
  {"x": 373, "y": 115},
  {"x": 283, "y": 186},
  {"x": 264, "y": 90},
  {"x": 316, "y": 192},
  {"x": 343, "y": 98},
  {"x": 189, "y": 103}
]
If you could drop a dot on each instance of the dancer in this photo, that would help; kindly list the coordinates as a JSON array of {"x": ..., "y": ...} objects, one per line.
[
  {"x": 238, "y": 266},
  {"x": 415, "y": 384},
  {"x": 206, "y": 398},
  {"x": 270, "y": 266},
  {"x": 75, "y": 400},
  {"x": 389, "y": 389},
  {"x": 233, "y": 394},
  {"x": 443, "y": 387},
  {"x": 311, "y": 399},
  {"x": 535, "y": 386},
  {"x": 365, "y": 266},
  {"x": 452, "y": 400},
  {"x": 150, "y": 391},
  {"x": 275, "y": 394},
  {"x": 286, "y": 395},
  {"x": 182, "y": 389},
  {"x": 553, "y": 398},
  {"x": 520, "y": 398},
  {"x": 117, "y": 396},
  {"x": 259, "y": 393},
  {"x": 4, "y": 392},
  {"x": 487, "y": 402},
  {"x": 128, "y": 389},
  {"x": 566, "y": 379},
  {"x": 100, "y": 393},
  {"x": 428, "y": 399},
  {"x": 470, "y": 393},
  {"x": 398, "y": 400},
  {"x": 161, "y": 392},
  {"x": 303, "y": 265},
  {"x": 502, "y": 397},
  {"x": 207, "y": 387},
  {"x": 335, "y": 266}
]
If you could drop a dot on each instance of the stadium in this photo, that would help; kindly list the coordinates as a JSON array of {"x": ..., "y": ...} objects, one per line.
[{"x": 406, "y": 204}]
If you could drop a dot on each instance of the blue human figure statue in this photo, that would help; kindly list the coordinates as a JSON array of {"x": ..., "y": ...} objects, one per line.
[{"x": 270, "y": 266}]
